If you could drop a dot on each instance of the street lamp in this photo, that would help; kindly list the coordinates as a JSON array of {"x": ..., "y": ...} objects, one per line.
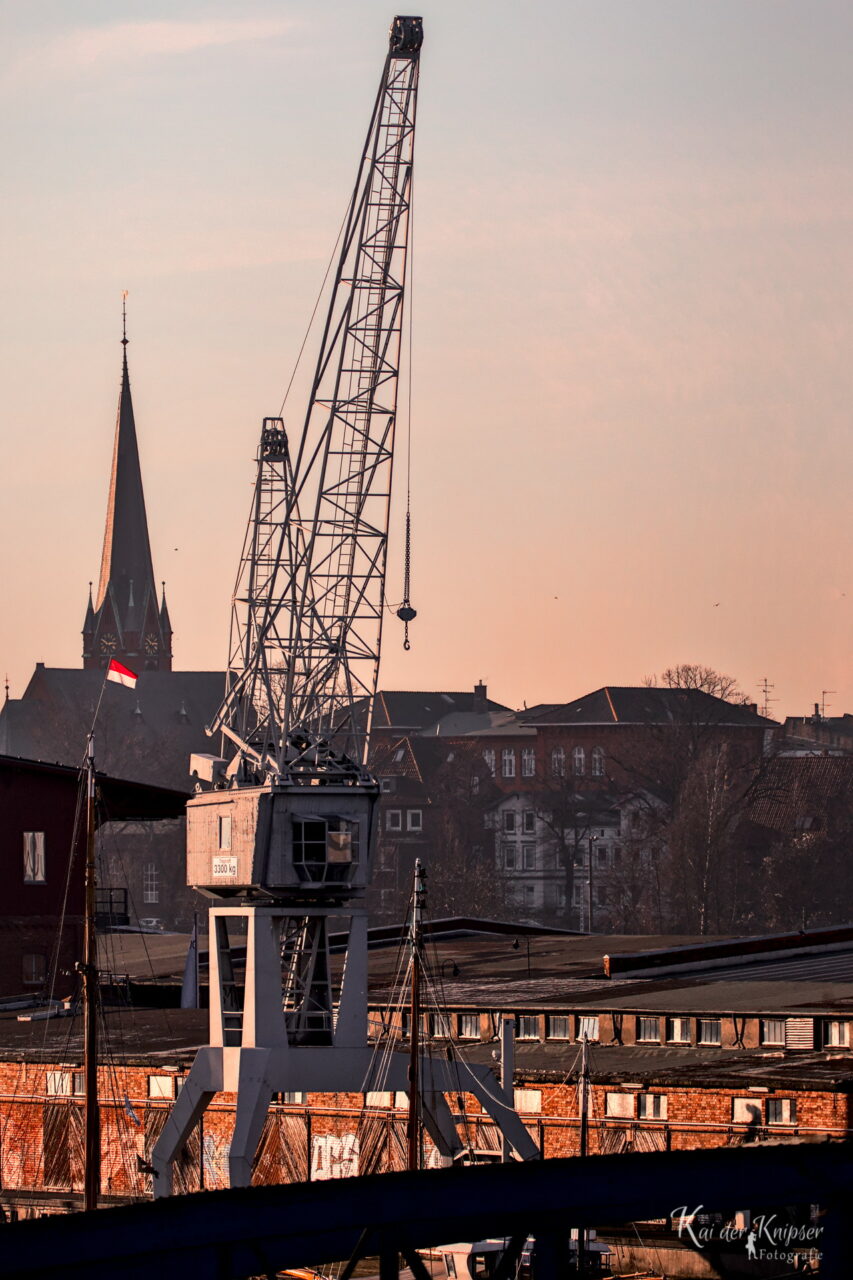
[{"x": 589, "y": 906}]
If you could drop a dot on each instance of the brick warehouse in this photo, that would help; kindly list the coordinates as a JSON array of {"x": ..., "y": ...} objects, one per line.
[
  {"x": 634, "y": 1106},
  {"x": 646, "y": 1095}
]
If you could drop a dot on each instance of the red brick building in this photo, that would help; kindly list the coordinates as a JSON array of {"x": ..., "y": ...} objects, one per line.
[{"x": 42, "y": 853}]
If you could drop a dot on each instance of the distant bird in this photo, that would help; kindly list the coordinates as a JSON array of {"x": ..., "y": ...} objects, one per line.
[{"x": 717, "y": 605}]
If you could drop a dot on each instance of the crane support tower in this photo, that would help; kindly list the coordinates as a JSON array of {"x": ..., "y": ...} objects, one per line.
[{"x": 281, "y": 829}]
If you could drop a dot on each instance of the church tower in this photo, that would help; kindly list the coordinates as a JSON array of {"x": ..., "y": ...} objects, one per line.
[{"x": 125, "y": 620}]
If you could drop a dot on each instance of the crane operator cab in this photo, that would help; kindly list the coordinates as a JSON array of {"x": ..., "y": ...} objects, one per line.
[
  {"x": 280, "y": 843},
  {"x": 281, "y": 840}
]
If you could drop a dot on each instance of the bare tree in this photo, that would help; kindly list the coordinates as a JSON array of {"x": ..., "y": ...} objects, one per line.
[{"x": 693, "y": 675}]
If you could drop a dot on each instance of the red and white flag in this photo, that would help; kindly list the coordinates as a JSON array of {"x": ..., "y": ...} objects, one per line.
[{"x": 121, "y": 675}]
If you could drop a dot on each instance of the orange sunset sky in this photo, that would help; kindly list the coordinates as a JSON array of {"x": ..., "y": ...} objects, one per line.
[{"x": 631, "y": 322}]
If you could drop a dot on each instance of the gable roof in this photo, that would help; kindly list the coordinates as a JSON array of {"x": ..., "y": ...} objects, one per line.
[
  {"x": 408, "y": 711},
  {"x": 146, "y": 735},
  {"x": 638, "y": 704}
]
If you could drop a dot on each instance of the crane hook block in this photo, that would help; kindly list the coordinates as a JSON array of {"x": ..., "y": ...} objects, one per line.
[
  {"x": 405, "y": 37},
  {"x": 406, "y": 613}
]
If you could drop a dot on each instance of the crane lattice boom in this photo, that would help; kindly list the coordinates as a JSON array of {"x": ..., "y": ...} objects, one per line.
[{"x": 308, "y": 605}]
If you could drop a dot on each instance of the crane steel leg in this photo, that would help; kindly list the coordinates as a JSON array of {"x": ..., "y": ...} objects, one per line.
[
  {"x": 204, "y": 1080},
  {"x": 254, "y": 1093}
]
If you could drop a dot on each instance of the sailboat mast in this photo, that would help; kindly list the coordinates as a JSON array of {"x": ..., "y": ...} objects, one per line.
[
  {"x": 92, "y": 1124},
  {"x": 413, "y": 1128},
  {"x": 584, "y": 1136}
]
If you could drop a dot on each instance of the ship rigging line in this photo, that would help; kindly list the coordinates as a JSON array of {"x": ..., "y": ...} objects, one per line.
[{"x": 329, "y": 265}]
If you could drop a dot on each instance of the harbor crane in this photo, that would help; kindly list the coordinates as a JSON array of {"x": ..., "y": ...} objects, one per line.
[{"x": 282, "y": 826}]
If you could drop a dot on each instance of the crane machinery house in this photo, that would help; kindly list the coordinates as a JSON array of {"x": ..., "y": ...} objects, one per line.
[{"x": 280, "y": 842}]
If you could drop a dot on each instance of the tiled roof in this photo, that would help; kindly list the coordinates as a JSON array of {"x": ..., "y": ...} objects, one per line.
[
  {"x": 403, "y": 709},
  {"x": 795, "y": 790},
  {"x": 146, "y": 734},
  {"x": 641, "y": 705}
]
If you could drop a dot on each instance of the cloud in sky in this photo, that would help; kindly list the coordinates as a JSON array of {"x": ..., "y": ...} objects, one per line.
[{"x": 86, "y": 48}]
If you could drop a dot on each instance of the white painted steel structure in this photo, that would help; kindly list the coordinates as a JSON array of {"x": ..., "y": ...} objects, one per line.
[{"x": 282, "y": 834}]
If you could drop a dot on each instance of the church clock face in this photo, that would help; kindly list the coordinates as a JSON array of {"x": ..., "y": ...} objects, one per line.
[
  {"x": 109, "y": 642},
  {"x": 151, "y": 645}
]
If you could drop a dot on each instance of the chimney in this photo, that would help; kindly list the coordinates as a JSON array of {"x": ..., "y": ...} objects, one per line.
[{"x": 480, "y": 698}]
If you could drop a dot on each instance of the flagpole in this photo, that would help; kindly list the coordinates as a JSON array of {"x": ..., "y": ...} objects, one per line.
[
  {"x": 89, "y": 967},
  {"x": 92, "y": 1116}
]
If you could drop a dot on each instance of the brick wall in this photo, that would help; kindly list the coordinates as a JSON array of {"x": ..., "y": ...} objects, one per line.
[{"x": 329, "y": 1136}]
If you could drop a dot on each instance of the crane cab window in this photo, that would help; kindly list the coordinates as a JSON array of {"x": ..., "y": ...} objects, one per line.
[{"x": 324, "y": 849}]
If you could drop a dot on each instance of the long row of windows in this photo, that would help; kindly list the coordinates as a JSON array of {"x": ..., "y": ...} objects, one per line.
[
  {"x": 655, "y": 1106},
  {"x": 647, "y": 1029},
  {"x": 72, "y": 1084},
  {"x": 509, "y": 761}
]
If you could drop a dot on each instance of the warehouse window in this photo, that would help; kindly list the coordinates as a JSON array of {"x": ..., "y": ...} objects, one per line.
[
  {"x": 710, "y": 1031},
  {"x": 558, "y": 1027},
  {"x": 150, "y": 883},
  {"x": 489, "y": 757},
  {"x": 648, "y": 1029},
  {"x": 414, "y": 820},
  {"x": 528, "y": 856},
  {"x": 588, "y": 1027},
  {"x": 509, "y": 852},
  {"x": 394, "y": 820},
  {"x": 59, "y": 1084},
  {"x": 781, "y": 1111},
  {"x": 578, "y": 762},
  {"x": 834, "y": 1034},
  {"x": 772, "y": 1030},
  {"x": 678, "y": 1030},
  {"x": 509, "y": 820},
  {"x": 651, "y": 1106},
  {"x": 469, "y": 1026},
  {"x": 527, "y": 1101},
  {"x": 528, "y": 762},
  {"x": 225, "y": 831},
  {"x": 527, "y": 1026},
  {"x": 161, "y": 1086},
  {"x": 558, "y": 762},
  {"x": 34, "y": 857},
  {"x": 598, "y": 762},
  {"x": 529, "y": 822},
  {"x": 619, "y": 1105},
  {"x": 508, "y": 763},
  {"x": 746, "y": 1110}
]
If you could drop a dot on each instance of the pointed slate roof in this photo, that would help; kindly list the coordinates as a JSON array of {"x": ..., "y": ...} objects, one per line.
[
  {"x": 127, "y": 572},
  {"x": 127, "y": 622}
]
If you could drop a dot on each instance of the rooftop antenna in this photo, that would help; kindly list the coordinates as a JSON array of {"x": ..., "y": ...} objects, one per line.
[
  {"x": 766, "y": 688},
  {"x": 124, "y": 317},
  {"x": 823, "y": 703}
]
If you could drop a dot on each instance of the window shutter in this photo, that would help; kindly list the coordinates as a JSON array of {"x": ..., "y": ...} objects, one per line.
[{"x": 799, "y": 1033}]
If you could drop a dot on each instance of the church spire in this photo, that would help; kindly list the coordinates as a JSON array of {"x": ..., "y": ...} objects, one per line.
[{"x": 126, "y": 623}]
